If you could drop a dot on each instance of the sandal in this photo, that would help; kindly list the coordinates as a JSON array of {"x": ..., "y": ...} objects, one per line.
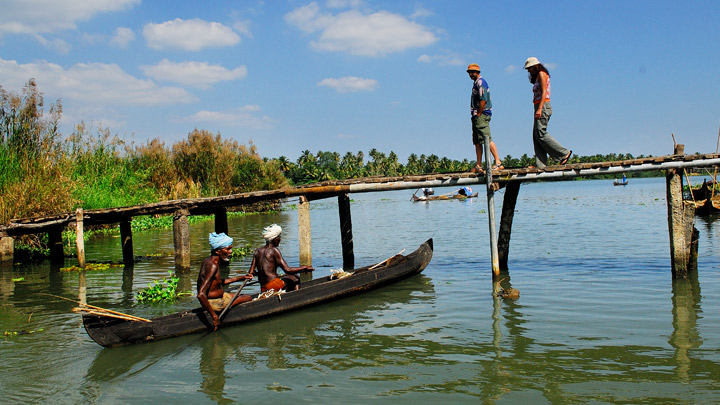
[
  {"x": 478, "y": 169},
  {"x": 498, "y": 167},
  {"x": 565, "y": 159}
]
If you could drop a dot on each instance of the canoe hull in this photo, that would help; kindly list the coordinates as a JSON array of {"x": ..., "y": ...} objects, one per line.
[{"x": 111, "y": 332}]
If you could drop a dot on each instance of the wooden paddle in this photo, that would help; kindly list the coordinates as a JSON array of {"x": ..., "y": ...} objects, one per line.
[{"x": 227, "y": 308}]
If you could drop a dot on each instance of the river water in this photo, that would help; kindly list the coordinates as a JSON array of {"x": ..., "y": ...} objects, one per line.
[{"x": 599, "y": 318}]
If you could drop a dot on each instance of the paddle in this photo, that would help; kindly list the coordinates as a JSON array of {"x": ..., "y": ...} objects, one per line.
[{"x": 227, "y": 308}]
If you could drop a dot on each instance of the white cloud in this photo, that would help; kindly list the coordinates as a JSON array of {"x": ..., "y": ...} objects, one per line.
[
  {"x": 189, "y": 35},
  {"x": 246, "y": 116},
  {"x": 94, "y": 83},
  {"x": 57, "y": 45},
  {"x": 123, "y": 36},
  {"x": 445, "y": 58},
  {"x": 421, "y": 13},
  {"x": 349, "y": 84},
  {"x": 50, "y": 16},
  {"x": 374, "y": 34},
  {"x": 196, "y": 74},
  {"x": 511, "y": 68},
  {"x": 344, "y": 3}
]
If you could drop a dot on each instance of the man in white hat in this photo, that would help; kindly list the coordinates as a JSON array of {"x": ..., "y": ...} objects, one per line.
[{"x": 268, "y": 258}]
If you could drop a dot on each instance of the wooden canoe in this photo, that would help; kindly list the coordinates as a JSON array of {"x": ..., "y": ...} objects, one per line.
[
  {"x": 111, "y": 332},
  {"x": 442, "y": 197}
]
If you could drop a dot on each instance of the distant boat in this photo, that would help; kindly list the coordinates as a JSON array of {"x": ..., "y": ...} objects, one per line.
[
  {"x": 707, "y": 202},
  {"x": 463, "y": 193},
  {"x": 622, "y": 182}
]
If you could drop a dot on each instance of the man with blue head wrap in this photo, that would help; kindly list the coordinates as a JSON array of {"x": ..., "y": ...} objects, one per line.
[{"x": 210, "y": 291}]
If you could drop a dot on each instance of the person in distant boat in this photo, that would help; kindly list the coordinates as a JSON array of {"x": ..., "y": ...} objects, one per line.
[
  {"x": 268, "y": 258},
  {"x": 210, "y": 292},
  {"x": 480, "y": 114},
  {"x": 543, "y": 143}
]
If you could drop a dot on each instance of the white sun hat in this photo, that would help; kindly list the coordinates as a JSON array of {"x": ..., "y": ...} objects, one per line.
[{"x": 531, "y": 61}]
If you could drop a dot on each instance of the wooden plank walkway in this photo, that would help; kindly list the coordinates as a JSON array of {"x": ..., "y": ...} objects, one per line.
[{"x": 334, "y": 188}]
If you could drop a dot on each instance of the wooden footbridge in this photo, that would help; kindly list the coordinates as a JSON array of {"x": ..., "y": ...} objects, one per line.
[{"x": 680, "y": 213}]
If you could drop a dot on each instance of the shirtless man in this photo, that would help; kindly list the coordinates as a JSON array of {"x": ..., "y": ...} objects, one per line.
[
  {"x": 268, "y": 258},
  {"x": 210, "y": 292}
]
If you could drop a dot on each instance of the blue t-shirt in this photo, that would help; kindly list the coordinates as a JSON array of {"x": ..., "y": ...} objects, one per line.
[{"x": 480, "y": 91}]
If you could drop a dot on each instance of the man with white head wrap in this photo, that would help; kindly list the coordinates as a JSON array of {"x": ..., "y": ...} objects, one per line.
[
  {"x": 268, "y": 258},
  {"x": 210, "y": 292}
]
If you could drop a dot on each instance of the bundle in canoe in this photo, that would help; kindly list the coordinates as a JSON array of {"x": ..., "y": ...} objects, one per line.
[{"x": 110, "y": 332}]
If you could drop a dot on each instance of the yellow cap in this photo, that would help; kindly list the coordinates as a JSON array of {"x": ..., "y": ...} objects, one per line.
[{"x": 473, "y": 67}]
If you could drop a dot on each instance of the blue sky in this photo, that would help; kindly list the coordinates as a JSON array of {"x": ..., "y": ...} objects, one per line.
[{"x": 351, "y": 75}]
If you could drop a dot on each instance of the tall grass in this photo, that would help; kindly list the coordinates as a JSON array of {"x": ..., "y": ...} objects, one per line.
[{"x": 42, "y": 172}]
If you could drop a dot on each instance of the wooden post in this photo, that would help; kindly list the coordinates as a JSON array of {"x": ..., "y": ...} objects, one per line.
[
  {"x": 82, "y": 287},
  {"x": 680, "y": 223},
  {"x": 491, "y": 211},
  {"x": 181, "y": 237},
  {"x": 57, "y": 255},
  {"x": 346, "y": 236},
  {"x": 506, "y": 220},
  {"x": 304, "y": 234},
  {"x": 80, "y": 238},
  {"x": 126, "y": 242},
  {"x": 7, "y": 247},
  {"x": 221, "y": 220}
]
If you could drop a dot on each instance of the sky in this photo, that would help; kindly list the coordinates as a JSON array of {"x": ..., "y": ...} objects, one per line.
[{"x": 352, "y": 75}]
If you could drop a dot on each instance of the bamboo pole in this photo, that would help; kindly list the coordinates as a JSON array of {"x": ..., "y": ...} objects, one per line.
[
  {"x": 495, "y": 263},
  {"x": 304, "y": 232},
  {"x": 135, "y": 318}
]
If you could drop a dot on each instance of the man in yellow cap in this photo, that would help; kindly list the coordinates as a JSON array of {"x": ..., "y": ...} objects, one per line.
[{"x": 481, "y": 112}]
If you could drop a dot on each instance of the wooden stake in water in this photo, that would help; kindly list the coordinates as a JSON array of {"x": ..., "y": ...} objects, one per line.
[
  {"x": 491, "y": 211},
  {"x": 80, "y": 240}
]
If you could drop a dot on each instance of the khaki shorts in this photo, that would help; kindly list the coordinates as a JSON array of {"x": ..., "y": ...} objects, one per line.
[
  {"x": 481, "y": 128},
  {"x": 218, "y": 304}
]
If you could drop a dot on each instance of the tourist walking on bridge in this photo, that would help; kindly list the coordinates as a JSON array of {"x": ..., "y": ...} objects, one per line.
[
  {"x": 480, "y": 114},
  {"x": 542, "y": 141}
]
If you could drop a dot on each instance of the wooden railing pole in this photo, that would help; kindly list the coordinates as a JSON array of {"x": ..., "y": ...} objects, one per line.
[
  {"x": 491, "y": 211},
  {"x": 304, "y": 232},
  {"x": 57, "y": 254},
  {"x": 221, "y": 220},
  {"x": 508, "y": 212},
  {"x": 80, "y": 238},
  {"x": 181, "y": 237},
  {"x": 127, "y": 242},
  {"x": 680, "y": 222},
  {"x": 346, "y": 236},
  {"x": 7, "y": 247}
]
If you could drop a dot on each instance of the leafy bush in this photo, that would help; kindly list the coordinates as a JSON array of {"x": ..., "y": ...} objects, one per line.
[{"x": 161, "y": 291}]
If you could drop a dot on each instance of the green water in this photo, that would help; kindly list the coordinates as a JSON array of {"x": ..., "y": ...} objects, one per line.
[{"x": 599, "y": 318}]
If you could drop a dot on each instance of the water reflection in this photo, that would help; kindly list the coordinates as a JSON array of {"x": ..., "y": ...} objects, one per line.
[{"x": 685, "y": 336}]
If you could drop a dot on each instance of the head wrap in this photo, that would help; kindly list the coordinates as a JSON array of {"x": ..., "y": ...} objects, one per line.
[
  {"x": 219, "y": 240},
  {"x": 271, "y": 232}
]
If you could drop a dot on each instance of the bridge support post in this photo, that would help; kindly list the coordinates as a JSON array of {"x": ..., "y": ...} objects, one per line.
[
  {"x": 57, "y": 255},
  {"x": 126, "y": 242},
  {"x": 80, "y": 238},
  {"x": 506, "y": 220},
  {"x": 7, "y": 247},
  {"x": 304, "y": 232},
  {"x": 491, "y": 211},
  {"x": 221, "y": 220},
  {"x": 346, "y": 236},
  {"x": 681, "y": 215},
  {"x": 181, "y": 237}
]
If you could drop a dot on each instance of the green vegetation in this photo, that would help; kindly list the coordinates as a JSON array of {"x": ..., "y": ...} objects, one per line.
[
  {"x": 323, "y": 165},
  {"x": 161, "y": 291},
  {"x": 93, "y": 267},
  {"x": 42, "y": 172}
]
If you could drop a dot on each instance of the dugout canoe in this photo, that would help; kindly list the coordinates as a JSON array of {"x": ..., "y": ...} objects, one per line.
[
  {"x": 443, "y": 197},
  {"x": 110, "y": 332}
]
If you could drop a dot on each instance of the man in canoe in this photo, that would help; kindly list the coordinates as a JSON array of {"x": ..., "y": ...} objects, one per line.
[
  {"x": 210, "y": 291},
  {"x": 268, "y": 258}
]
